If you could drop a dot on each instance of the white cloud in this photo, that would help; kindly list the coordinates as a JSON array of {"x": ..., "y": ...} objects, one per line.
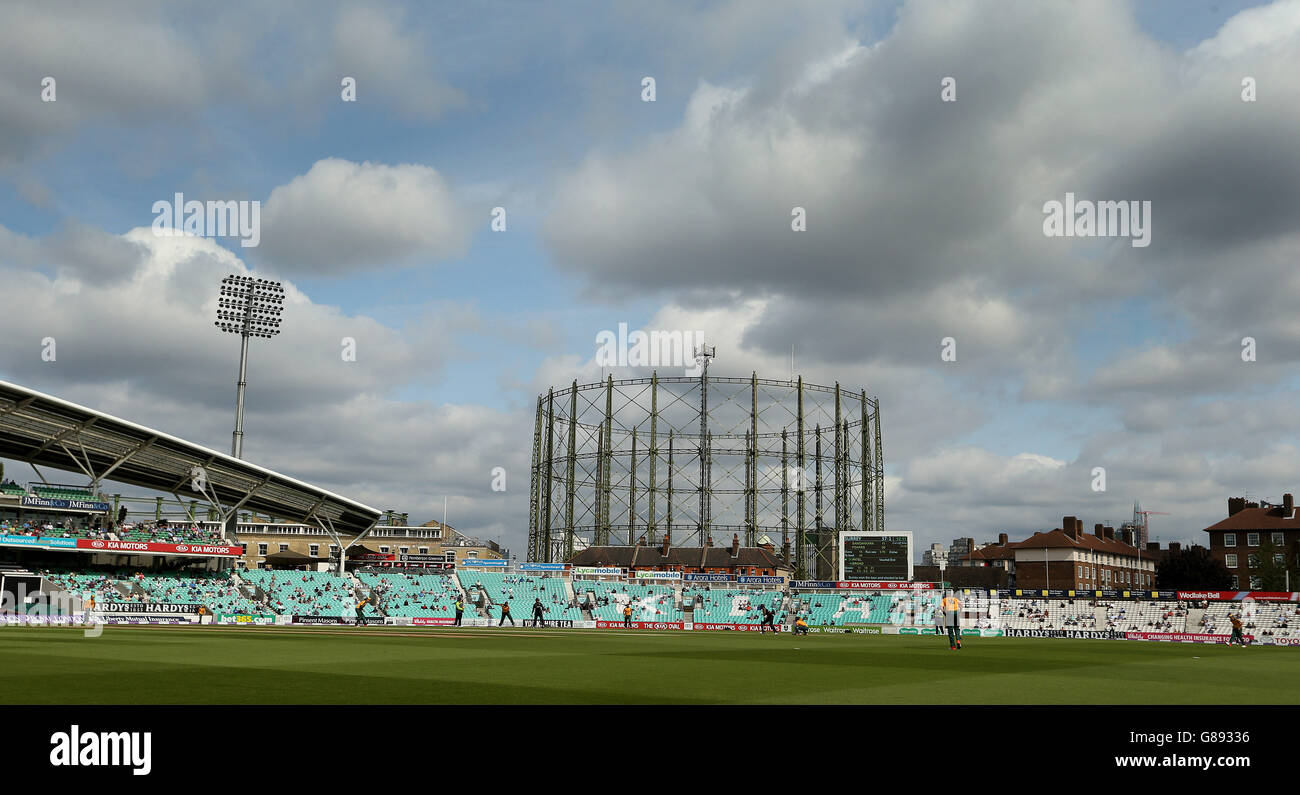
[{"x": 342, "y": 216}]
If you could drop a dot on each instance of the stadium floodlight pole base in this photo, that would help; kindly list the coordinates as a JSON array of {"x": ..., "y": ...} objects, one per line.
[{"x": 237, "y": 442}]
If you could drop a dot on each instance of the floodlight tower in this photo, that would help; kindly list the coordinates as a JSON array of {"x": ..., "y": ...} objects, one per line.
[{"x": 248, "y": 307}]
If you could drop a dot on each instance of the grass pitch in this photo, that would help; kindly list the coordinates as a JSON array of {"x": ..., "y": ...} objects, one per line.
[{"x": 272, "y": 665}]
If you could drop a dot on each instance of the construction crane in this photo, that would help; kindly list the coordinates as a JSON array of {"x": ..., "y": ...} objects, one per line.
[{"x": 1145, "y": 522}]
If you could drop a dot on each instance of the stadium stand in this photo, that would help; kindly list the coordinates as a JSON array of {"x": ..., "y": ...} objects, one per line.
[
  {"x": 729, "y": 606},
  {"x": 216, "y": 590},
  {"x": 649, "y": 602},
  {"x": 1049, "y": 614},
  {"x": 841, "y": 607},
  {"x": 304, "y": 593},
  {"x": 61, "y": 492},
  {"x": 104, "y": 586},
  {"x": 12, "y": 489},
  {"x": 412, "y": 595},
  {"x": 169, "y": 535},
  {"x": 520, "y": 590},
  {"x": 1261, "y": 619},
  {"x": 1143, "y": 616}
]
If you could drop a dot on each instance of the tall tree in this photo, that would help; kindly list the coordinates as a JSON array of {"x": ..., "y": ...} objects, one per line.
[
  {"x": 1192, "y": 569},
  {"x": 1269, "y": 567}
]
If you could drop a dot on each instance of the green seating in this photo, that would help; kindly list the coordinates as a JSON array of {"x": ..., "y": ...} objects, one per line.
[
  {"x": 413, "y": 595},
  {"x": 305, "y": 593}
]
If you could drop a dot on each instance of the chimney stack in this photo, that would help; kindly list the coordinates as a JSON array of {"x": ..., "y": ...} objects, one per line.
[
  {"x": 1288, "y": 503},
  {"x": 1098, "y": 530},
  {"x": 1153, "y": 546},
  {"x": 1110, "y": 532},
  {"x": 1002, "y": 539},
  {"x": 735, "y": 545},
  {"x": 1175, "y": 546},
  {"x": 1236, "y": 505},
  {"x": 663, "y": 548}
]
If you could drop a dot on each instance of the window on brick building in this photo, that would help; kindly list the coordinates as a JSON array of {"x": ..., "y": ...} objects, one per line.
[
  {"x": 1230, "y": 561},
  {"x": 1278, "y": 540},
  {"x": 1230, "y": 539},
  {"x": 1252, "y": 539}
]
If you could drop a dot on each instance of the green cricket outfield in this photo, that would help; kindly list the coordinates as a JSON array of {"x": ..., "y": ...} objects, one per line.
[{"x": 387, "y": 665}]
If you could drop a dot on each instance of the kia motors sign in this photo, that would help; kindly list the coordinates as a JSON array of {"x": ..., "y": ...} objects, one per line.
[
  {"x": 640, "y": 625},
  {"x": 154, "y": 548}
]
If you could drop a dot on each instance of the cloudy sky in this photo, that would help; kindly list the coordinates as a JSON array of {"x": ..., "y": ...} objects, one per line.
[{"x": 924, "y": 220}]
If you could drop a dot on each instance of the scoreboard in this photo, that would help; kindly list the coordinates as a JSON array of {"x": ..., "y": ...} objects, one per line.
[{"x": 876, "y": 556}]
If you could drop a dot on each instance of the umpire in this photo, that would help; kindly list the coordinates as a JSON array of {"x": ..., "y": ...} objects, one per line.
[{"x": 952, "y": 619}]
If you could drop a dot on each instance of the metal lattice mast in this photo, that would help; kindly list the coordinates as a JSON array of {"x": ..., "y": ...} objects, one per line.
[
  {"x": 751, "y": 499},
  {"x": 819, "y": 543},
  {"x": 749, "y": 490},
  {"x": 534, "y": 486},
  {"x": 840, "y": 492},
  {"x": 785, "y": 498},
  {"x": 668, "y": 518},
  {"x": 603, "y": 534},
  {"x": 867, "y": 489},
  {"x": 654, "y": 453},
  {"x": 800, "y": 530},
  {"x": 631, "y": 492},
  {"x": 550, "y": 473},
  {"x": 879, "y": 464},
  {"x": 569, "y": 472},
  {"x": 704, "y": 353}
]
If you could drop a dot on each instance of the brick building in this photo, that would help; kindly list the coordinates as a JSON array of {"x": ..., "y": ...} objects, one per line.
[
  {"x": 260, "y": 540},
  {"x": 1236, "y": 539},
  {"x": 1069, "y": 558}
]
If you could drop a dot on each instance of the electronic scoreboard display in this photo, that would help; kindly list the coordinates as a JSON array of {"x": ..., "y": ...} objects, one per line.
[{"x": 876, "y": 556}]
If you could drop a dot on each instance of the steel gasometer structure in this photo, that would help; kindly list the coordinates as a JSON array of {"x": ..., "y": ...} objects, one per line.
[{"x": 692, "y": 460}]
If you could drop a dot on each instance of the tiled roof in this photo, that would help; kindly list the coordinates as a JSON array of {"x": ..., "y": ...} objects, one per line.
[
  {"x": 1270, "y": 518},
  {"x": 1058, "y": 539}
]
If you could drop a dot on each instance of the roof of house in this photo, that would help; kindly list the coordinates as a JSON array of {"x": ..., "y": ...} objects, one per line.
[
  {"x": 1273, "y": 517},
  {"x": 1059, "y": 539},
  {"x": 993, "y": 552}
]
